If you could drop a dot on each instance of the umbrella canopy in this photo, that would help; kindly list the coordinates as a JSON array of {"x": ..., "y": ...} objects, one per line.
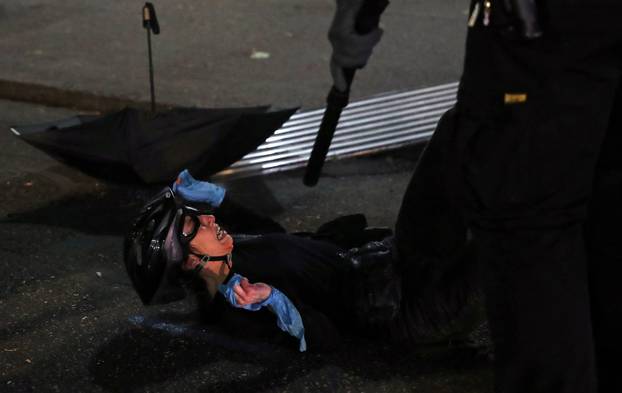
[{"x": 134, "y": 145}]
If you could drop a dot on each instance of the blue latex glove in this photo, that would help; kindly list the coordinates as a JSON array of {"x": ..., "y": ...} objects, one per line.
[
  {"x": 198, "y": 191},
  {"x": 288, "y": 317}
]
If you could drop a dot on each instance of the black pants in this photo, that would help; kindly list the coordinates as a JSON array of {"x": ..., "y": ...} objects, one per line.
[
  {"x": 441, "y": 295},
  {"x": 538, "y": 143}
]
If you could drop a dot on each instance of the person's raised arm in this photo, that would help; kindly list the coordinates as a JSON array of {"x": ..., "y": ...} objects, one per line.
[
  {"x": 242, "y": 294},
  {"x": 236, "y": 218}
]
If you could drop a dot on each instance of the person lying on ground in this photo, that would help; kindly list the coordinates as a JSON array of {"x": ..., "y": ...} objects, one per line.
[{"x": 315, "y": 287}]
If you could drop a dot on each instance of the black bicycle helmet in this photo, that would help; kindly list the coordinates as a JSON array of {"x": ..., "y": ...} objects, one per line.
[{"x": 155, "y": 247}]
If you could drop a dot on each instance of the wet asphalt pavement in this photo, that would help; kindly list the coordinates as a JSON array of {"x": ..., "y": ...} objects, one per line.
[
  {"x": 204, "y": 54},
  {"x": 71, "y": 321}
]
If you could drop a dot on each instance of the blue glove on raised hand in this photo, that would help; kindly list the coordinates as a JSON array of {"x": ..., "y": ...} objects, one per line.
[
  {"x": 198, "y": 191},
  {"x": 288, "y": 317}
]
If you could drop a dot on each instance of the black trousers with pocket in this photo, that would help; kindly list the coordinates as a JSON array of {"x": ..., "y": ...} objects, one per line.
[{"x": 538, "y": 145}]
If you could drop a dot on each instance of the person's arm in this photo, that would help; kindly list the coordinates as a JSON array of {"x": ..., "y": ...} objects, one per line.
[
  {"x": 320, "y": 334},
  {"x": 242, "y": 294},
  {"x": 353, "y": 34},
  {"x": 237, "y": 218}
]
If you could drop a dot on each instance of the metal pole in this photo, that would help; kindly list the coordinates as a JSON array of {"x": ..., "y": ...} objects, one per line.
[
  {"x": 153, "y": 105},
  {"x": 150, "y": 22}
]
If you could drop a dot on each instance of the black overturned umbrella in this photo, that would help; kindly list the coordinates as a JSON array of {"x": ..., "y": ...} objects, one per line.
[
  {"x": 135, "y": 145},
  {"x": 153, "y": 147}
]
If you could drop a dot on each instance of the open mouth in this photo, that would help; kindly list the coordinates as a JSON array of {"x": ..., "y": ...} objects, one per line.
[{"x": 220, "y": 233}]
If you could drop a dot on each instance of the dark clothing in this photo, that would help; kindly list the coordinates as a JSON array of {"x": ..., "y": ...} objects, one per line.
[
  {"x": 310, "y": 273},
  {"x": 431, "y": 233},
  {"x": 441, "y": 290},
  {"x": 351, "y": 293},
  {"x": 343, "y": 279},
  {"x": 345, "y": 293},
  {"x": 542, "y": 186}
]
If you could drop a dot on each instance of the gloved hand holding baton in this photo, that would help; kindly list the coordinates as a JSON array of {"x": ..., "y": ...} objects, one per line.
[{"x": 353, "y": 34}]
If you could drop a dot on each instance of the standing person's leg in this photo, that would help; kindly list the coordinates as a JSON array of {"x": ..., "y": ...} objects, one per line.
[
  {"x": 604, "y": 234},
  {"x": 531, "y": 119},
  {"x": 430, "y": 232},
  {"x": 440, "y": 282}
]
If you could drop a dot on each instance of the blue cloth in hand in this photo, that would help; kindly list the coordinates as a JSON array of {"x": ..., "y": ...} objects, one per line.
[
  {"x": 288, "y": 317},
  {"x": 198, "y": 191}
]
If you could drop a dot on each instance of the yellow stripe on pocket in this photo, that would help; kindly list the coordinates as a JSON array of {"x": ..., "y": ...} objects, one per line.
[{"x": 515, "y": 98}]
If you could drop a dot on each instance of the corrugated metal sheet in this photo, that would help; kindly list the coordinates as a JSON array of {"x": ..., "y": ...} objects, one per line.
[{"x": 387, "y": 121}]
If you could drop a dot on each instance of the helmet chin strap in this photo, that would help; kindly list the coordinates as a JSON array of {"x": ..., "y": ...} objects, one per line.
[{"x": 208, "y": 258}]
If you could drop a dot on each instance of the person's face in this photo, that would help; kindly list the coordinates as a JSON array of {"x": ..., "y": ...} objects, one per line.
[{"x": 210, "y": 239}]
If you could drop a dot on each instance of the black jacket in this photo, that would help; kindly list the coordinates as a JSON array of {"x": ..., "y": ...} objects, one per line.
[{"x": 311, "y": 273}]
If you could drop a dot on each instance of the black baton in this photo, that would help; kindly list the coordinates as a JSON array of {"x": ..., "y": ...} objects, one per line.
[{"x": 367, "y": 20}]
